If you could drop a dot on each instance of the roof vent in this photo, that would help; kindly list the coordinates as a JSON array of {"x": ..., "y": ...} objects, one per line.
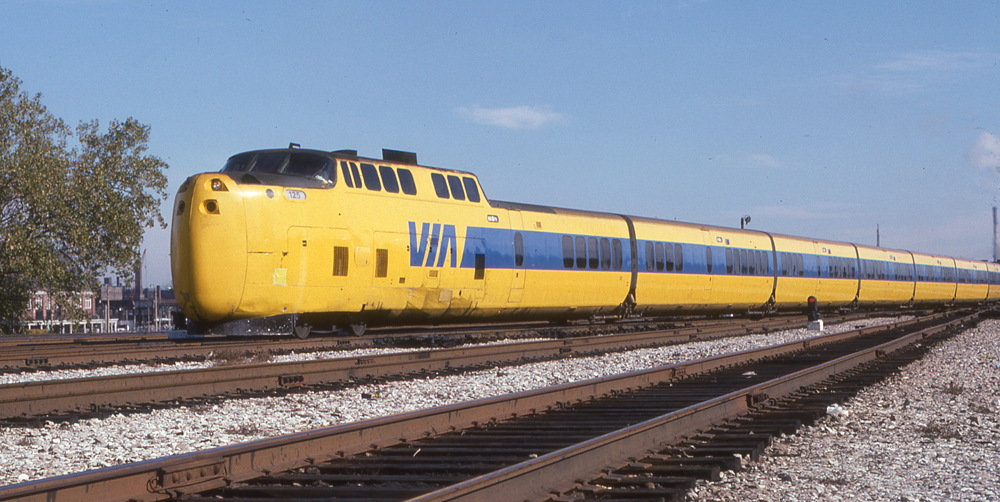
[
  {"x": 294, "y": 145},
  {"x": 348, "y": 153},
  {"x": 399, "y": 157}
]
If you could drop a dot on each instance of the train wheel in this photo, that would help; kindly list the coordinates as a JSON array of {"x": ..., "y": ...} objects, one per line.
[
  {"x": 302, "y": 331},
  {"x": 357, "y": 329}
]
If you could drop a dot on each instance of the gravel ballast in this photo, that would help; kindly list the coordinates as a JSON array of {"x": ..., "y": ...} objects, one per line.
[
  {"x": 929, "y": 433},
  {"x": 61, "y": 448}
]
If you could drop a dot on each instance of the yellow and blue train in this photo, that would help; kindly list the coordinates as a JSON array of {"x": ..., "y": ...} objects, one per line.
[{"x": 331, "y": 239}]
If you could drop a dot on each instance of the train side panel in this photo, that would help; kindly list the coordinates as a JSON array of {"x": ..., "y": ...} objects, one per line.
[
  {"x": 797, "y": 272},
  {"x": 993, "y": 275},
  {"x": 576, "y": 264},
  {"x": 887, "y": 278},
  {"x": 683, "y": 268},
  {"x": 838, "y": 274},
  {"x": 973, "y": 285},
  {"x": 930, "y": 287}
]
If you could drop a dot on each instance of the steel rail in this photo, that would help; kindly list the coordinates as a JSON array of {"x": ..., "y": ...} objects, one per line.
[
  {"x": 53, "y": 397},
  {"x": 194, "y": 472},
  {"x": 22, "y": 354},
  {"x": 560, "y": 471},
  {"x": 87, "y": 352}
]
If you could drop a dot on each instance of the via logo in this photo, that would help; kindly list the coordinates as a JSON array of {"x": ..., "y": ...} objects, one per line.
[{"x": 433, "y": 243}]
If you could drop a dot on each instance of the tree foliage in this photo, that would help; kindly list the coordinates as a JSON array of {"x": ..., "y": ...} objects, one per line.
[{"x": 73, "y": 204}]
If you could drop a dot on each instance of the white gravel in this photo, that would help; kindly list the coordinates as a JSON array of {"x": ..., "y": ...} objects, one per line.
[
  {"x": 55, "y": 449},
  {"x": 930, "y": 433},
  {"x": 127, "y": 369},
  {"x": 212, "y": 360}
]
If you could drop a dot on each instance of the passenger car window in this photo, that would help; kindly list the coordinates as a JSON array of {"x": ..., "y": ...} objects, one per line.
[
  {"x": 581, "y": 253},
  {"x": 356, "y": 175},
  {"x": 650, "y": 259},
  {"x": 593, "y": 257},
  {"x": 708, "y": 259},
  {"x": 669, "y": 249},
  {"x": 679, "y": 257},
  {"x": 457, "y": 192},
  {"x": 605, "y": 254},
  {"x": 371, "y": 177},
  {"x": 518, "y": 249},
  {"x": 729, "y": 260},
  {"x": 471, "y": 190},
  {"x": 406, "y": 182},
  {"x": 616, "y": 254},
  {"x": 440, "y": 186},
  {"x": 567, "y": 245},
  {"x": 347, "y": 173},
  {"x": 659, "y": 257},
  {"x": 389, "y": 179}
]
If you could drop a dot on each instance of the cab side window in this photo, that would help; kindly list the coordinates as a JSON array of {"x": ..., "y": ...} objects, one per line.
[
  {"x": 440, "y": 186},
  {"x": 406, "y": 182},
  {"x": 471, "y": 190},
  {"x": 370, "y": 175},
  {"x": 389, "y": 179},
  {"x": 457, "y": 192}
]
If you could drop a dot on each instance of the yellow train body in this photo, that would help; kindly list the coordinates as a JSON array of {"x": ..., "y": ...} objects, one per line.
[{"x": 333, "y": 239}]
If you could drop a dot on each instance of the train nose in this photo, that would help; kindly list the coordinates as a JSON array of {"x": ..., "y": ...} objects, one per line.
[{"x": 208, "y": 247}]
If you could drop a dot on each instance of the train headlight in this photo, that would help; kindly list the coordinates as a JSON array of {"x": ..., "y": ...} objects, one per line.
[{"x": 218, "y": 185}]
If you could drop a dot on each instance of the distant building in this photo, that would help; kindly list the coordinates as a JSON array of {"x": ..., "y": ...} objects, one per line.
[
  {"x": 115, "y": 308},
  {"x": 45, "y": 314}
]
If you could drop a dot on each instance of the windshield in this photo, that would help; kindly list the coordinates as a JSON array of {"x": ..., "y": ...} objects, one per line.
[{"x": 307, "y": 165}]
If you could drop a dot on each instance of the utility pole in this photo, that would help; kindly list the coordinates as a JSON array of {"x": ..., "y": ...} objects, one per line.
[
  {"x": 996, "y": 245},
  {"x": 878, "y": 239},
  {"x": 156, "y": 310}
]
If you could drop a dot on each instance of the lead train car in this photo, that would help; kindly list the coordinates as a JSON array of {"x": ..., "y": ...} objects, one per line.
[{"x": 333, "y": 239}]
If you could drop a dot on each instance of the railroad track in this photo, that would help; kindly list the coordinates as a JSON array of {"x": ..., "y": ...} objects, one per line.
[
  {"x": 86, "y": 353},
  {"x": 50, "y": 398},
  {"x": 22, "y": 354},
  {"x": 642, "y": 435}
]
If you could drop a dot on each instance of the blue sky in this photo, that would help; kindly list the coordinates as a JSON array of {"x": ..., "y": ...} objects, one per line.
[{"x": 820, "y": 119}]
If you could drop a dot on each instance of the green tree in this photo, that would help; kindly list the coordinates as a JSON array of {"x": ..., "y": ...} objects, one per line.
[{"x": 69, "y": 214}]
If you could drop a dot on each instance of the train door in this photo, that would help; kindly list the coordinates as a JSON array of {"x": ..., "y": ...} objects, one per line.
[
  {"x": 518, "y": 272},
  {"x": 315, "y": 264},
  {"x": 315, "y": 257}
]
